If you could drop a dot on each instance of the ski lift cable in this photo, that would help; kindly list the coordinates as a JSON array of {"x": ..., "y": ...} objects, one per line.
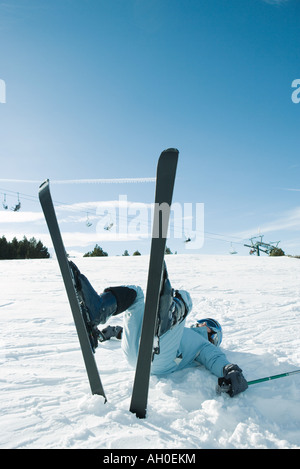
[
  {"x": 88, "y": 213},
  {"x": 229, "y": 236},
  {"x": 146, "y": 225},
  {"x": 33, "y": 198},
  {"x": 93, "y": 212}
]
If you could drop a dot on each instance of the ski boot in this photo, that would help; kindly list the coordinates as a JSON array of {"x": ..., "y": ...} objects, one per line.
[{"x": 97, "y": 309}]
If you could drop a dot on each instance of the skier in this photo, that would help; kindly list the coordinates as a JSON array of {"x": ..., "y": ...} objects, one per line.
[{"x": 177, "y": 346}]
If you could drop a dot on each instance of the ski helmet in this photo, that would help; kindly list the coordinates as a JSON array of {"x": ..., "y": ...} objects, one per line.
[{"x": 216, "y": 335}]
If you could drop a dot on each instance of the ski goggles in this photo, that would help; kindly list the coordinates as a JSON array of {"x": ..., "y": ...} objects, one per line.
[{"x": 215, "y": 334}]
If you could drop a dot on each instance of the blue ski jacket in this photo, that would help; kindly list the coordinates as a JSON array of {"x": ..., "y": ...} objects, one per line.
[{"x": 180, "y": 347}]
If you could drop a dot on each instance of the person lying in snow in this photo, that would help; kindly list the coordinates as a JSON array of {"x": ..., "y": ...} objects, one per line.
[{"x": 178, "y": 346}]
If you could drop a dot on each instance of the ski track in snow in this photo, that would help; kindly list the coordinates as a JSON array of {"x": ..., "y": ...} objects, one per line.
[{"x": 45, "y": 399}]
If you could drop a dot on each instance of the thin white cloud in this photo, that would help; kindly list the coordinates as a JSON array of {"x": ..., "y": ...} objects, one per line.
[
  {"x": 77, "y": 239},
  {"x": 98, "y": 205},
  {"x": 276, "y": 2},
  {"x": 104, "y": 181},
  {"x": 105, "y": 211},
  {"x": 287, "y": 221},
  {"x": 20, "y": 217},
  {"x": 292, "y": 190},
  {"x": 85, "y": 181}
]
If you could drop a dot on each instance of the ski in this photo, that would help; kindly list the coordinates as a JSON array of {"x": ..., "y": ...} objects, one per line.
[
  {"x": 165, "y": 179},
  {"x": 77, "y": 307}
]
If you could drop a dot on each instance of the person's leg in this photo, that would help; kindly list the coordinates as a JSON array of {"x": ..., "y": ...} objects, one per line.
[
  {"x": 173, "y": 307},
  {"x": 169, "y": 351},
  {"x": 170, "y": 355},
  {"x": 113, "y": 301},
  {"x": 165, "y": 361}
]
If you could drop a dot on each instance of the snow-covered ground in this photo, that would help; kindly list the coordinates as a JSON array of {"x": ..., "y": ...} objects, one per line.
[{"x": 45, "y": 399}]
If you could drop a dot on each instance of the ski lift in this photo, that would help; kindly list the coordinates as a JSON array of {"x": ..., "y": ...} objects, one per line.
[
  {"x": 260, "y": 246},
  {"x": 88, "y": 222},
  {"x": 108, "y": 226},
  {"x": 5, "y": 206},
  {"x": 17, "y": 207},
  {"x": 110, "y": 222},
  {"x": 232, "y": 250}
]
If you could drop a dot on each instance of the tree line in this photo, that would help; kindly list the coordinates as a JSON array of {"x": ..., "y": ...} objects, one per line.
[
  {"x": 99, "y": 252},
  {"x": 24, "y": 249},
  {"x": 33, "y": 249}
]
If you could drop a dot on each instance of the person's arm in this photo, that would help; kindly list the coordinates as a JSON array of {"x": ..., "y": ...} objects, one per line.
[
  {"x": 212, "y": 358},
  {"x": 215, "y": 361}
]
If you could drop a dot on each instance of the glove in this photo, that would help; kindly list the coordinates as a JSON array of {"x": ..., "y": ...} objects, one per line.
[
  {"x": 234, "y": 379},
  {"x": 109, "y": 332}
]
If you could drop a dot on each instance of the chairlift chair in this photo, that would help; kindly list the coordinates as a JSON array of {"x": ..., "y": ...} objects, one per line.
[
  {"x": 5, "y": 206},
  {"x": 108, "y": 226},
  {"x": 17, "y": 207},
  {"x": 232, "y": 250},
  {"x": 110, "y": 222},
  {"x": 88, "y": 222}
]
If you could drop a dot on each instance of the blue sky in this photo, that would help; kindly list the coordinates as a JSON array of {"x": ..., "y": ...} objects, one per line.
[{"x": 96, "y": 89}]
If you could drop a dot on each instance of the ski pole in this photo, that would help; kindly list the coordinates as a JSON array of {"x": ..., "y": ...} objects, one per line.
[
  {"x": 289, "y": 373},
  {"x": 226, "y": 387}
]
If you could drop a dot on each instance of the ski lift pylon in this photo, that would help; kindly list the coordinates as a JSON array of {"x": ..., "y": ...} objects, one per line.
[{"x": 260, "y": 246}]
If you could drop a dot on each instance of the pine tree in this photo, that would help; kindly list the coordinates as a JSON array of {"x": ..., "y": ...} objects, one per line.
[
  {"x": 24, "y": 249},
  {"x": 97, "y": 252},
  {"x": 4, "y": 249},
  {"x": 276, "y": 252}
]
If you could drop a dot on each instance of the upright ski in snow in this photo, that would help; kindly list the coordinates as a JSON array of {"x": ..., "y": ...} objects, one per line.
[
  {"x": 85, "y": 344},
  {"x": 165, "y": 178}
]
